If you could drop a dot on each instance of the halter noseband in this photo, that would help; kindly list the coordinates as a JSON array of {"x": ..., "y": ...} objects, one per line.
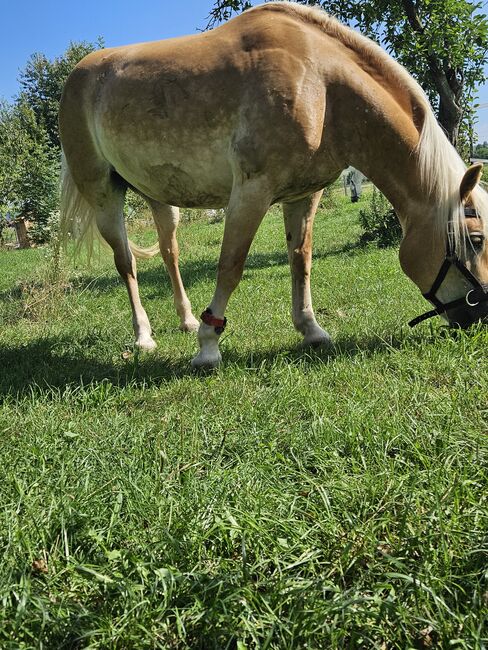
[{"x": 474, "y": 296}]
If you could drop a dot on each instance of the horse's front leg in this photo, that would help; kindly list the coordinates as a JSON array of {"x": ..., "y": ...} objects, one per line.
[
  {"x": 299, "y": 217},
  {"x": 248, "y": 204}
]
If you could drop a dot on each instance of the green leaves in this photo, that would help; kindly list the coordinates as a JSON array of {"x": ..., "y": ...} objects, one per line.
[
  {"x": 29, "y": 141},
  {"x": 225, "y": 9},
  {"x": 28, "y": 167},
  {"x": 379, "y": 221},
  {"x": 42, "y": 83}
]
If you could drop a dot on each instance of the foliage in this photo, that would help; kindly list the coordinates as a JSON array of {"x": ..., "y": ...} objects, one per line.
[
  {"x": 329, "y": 200},
  {"x": 29, "y": 141},
  {"x": 484, "y": 176},
  {"x": 28, "y": 169},
  {"x": 295, "y": 498},
  {"x": 3, "y": 227},
  {"x": 42, "y": 82},
  {"x": 481, "y": 150},
  {"x": 225, "y": 9},
  {"x": 379, "y": 221},
  {"x": 443, "y": 43},
  {"x": 134, "y": 206}
]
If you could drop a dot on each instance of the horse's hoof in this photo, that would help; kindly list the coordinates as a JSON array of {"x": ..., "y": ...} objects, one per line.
[
  {"x": 317, "y": 338},
  {"x": 147, "y": 344},
  {"x": 206, "y": 361},
  {"x": 190, "y": 325}
]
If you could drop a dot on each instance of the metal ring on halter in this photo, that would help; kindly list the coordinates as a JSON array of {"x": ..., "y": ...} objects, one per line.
[{"x": 471, "y": 304}]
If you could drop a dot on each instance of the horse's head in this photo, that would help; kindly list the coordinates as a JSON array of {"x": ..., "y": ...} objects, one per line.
[{"x": 451, "y": 267}]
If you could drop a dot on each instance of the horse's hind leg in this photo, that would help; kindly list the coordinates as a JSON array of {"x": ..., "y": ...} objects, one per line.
[
  {"x": 166, "y": 218},
  {"x": 110, "y": 222},
  {"x": 299, "y": 218}
]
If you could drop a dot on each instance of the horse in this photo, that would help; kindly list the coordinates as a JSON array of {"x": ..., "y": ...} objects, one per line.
[{"x": 258, "y": 111}]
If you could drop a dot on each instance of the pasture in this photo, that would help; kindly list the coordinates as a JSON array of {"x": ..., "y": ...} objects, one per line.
[{"x": 293, "y": 498}]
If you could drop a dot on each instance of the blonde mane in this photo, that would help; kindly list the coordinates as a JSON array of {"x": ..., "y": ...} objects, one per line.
[{"x": 441, "y": 168}]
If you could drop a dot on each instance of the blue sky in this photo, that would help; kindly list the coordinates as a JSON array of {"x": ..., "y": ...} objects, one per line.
[{"x": 48, "y": 25}]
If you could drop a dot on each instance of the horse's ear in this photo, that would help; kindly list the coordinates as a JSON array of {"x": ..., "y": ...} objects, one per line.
[{"x": 470, "y": 180}]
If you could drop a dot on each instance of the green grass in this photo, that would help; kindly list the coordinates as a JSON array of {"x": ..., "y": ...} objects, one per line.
[{"x": 293, "y": 498}]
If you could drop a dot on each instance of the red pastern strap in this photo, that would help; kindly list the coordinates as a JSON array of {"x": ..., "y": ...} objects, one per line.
[{"x": 219, "y": 323}]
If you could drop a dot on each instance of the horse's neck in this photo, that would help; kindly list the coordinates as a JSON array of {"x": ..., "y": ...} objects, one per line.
[{"x": 385, "y": 153}]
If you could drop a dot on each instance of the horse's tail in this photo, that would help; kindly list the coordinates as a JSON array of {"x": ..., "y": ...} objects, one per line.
[
  {"x": 143, "y": 253},
  {"x": 78, "y": 219}
]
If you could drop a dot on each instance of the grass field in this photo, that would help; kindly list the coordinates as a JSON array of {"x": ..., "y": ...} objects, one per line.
[{"x": 292, "y": 499}]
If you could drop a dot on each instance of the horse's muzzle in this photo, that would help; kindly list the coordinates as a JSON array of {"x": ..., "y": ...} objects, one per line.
[{"x": 471, "y": 312}]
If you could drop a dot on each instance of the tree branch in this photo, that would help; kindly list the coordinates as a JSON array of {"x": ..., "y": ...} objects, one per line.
[
  {"x": 443, "y": 75},
  {"x": 413, "y": 17}
]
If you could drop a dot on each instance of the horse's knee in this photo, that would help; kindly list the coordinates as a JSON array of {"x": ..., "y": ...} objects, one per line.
[
  {"x": 230, "y": 271},
  {"x": 169, "y": 255}
]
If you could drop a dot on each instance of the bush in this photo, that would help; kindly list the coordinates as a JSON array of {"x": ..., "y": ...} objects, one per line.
[
  {"x": 3, "y": 227},
  {"x": 136, "y": 208},
  {"x": 29, "y": 169},
  {"x": 329, "y": 200},
  {"x": 379, "y": 221},
  {"x": 42, "y": 232}
]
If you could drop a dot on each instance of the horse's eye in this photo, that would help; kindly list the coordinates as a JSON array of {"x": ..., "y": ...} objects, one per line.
[{"x": 477, "y": 240}]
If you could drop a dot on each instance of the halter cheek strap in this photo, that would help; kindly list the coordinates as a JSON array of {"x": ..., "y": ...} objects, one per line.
[{"x": 209, "y": 319}]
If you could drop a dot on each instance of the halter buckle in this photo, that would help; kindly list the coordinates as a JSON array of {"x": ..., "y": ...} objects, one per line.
[{"x": 471, "y": 304}]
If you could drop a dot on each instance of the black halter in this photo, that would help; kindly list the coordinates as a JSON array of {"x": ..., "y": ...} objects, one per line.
[{"x": 476, "y": 295}]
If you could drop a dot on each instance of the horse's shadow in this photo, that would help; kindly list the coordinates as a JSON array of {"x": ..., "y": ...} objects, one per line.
[
  {"x": 42, "y": 365},
  {"x": 56, "y": 363}
]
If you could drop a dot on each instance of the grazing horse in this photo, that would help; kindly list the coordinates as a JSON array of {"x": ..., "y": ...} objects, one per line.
[{"x": 259, "y": 111}]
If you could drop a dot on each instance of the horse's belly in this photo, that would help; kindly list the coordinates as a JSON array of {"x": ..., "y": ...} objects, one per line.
[
  {"x": 172, "y": 160},
  {"x": 192, "y": 177},
  {"x": 173, "y": 182}
]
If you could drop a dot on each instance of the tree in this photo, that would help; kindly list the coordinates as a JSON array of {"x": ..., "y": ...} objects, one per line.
[
  {"x": 29, "y": 140},
  {"x": 481, "y": 150},
  {"x": 443, "y": 43},
  {"x": 225, "y": 9},
  {"x": 29, "y": 169}
]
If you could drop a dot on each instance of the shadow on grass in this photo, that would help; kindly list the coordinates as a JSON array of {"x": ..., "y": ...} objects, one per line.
[{"x": 56, "y": 363}]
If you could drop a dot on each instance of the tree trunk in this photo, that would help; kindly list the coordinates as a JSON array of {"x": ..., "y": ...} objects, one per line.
[
  {"x": 450, "y": 116},
  {"x": 447, "y": 80},
  {"x": 450, "y": 88},
  {"x": 21, "y": 231}
]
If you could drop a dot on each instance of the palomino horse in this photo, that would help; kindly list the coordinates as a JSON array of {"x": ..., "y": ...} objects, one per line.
[{"x": 259, "y": 111}]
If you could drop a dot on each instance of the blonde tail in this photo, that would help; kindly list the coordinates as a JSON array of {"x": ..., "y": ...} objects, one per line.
[
  {"x": 77, "y": 217},
  {"x": 78, "y": 220},
  {"x": 143, "y": 253}
]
